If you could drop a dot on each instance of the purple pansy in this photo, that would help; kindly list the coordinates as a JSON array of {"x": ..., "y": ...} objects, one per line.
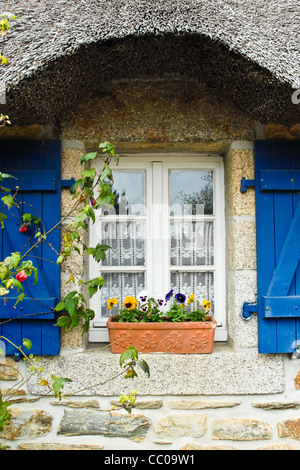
[
  {"x": 169, "y": 295},
  {"x": 180, "y": 298}
]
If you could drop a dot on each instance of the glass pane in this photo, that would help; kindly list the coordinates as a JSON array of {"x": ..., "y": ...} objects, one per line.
[
  {"x": 191, "y": 192},
  {"x": 200, "y": 284},
  {"x": 120, "y": 285},
  {"x": 192, "y": 243},
  {"x": 129, "y": 191},
  {"x": 127, "y": 242}
]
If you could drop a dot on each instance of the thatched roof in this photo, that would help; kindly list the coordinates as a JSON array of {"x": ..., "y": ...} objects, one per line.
[{"x": 247, "y": 50}]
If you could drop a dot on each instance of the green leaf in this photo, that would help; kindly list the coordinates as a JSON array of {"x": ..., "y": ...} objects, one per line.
[
  {"x": 60, "y": 306},
  {"x": 17, "y": 284},
  {"x": 106, "y": 173},
  {"x": 58, "y": 384},
  {"x": 144, "y": 366},
  {"x": 88, "y": 156},
  {"x": 71, "y": 306},
  {"x": 130, "y": 353},
  {"x": 27, "y": 343},
  {"x": 6, "y": 175},
  {"x": 8, "y": 201},
  {"x": 15, "y": 258},
  {"x": 88, "y": 173}
]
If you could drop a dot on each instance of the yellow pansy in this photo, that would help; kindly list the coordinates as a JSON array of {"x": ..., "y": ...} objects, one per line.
[
  {"x": 191, "y": 299},
  {"x": 130, "y": 302},
  {"x": 206, "y": 304},
  {"x": 111, "y": 303}
]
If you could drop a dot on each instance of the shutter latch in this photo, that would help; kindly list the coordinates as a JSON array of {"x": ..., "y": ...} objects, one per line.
[
  {"x": 248, "y": 309},
  {"x": 68, "y": 183},
  {"x": 245, "y": 184}
]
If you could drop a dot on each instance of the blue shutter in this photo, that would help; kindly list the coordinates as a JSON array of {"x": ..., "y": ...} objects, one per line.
[
  {"x": 37, "y": 165},
  {"x": 277, "y": 183}
]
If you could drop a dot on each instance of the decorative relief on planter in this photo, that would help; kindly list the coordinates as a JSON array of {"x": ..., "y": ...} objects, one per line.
[
  {"x": 148, "y": 341},
  {"x": 199, "y": 340},
  {"x": 164, "y": 337},
  {"x": 123, "y": 341},
  {"x": 173, "y": 340}
]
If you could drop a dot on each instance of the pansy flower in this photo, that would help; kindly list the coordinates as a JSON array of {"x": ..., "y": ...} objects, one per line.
[
  {"x": 130, "y": 302},
  {"x": 206, "y": 304},
  {"x": 191, "y": 299},
  {"x": 169, "y": 295},
  {"x": 111, "y": 303},
  {"x": 180, "y": 298}
]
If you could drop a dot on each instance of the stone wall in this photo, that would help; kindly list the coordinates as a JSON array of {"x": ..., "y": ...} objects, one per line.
[
  {"x": 231, "y": 399},
  {"x": 247, "y": 421}
]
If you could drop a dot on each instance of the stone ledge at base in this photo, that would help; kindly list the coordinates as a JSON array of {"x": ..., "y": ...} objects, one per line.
[{"x": 220, "y": 373}]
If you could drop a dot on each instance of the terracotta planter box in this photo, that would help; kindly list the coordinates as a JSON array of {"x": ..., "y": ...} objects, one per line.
[{"x": 166, "y": 337}]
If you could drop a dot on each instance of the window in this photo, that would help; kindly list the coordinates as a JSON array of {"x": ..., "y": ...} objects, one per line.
[{"x": 166, "y": 231}]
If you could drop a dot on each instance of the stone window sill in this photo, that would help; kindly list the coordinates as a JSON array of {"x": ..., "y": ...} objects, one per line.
[{"x": 224, "y": 372}]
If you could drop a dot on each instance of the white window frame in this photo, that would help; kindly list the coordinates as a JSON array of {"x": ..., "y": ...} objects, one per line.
[{"x": 157, "y": 167}]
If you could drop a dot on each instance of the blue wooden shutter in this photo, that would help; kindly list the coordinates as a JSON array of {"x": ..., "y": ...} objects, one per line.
[
  {"x": 277, "y": 182},
  {"x": 37, "y": 167}
]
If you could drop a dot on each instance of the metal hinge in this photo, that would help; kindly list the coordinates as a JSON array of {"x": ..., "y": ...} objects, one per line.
[
  {"x": 248, "y": 309},
  {"x": 245, "y": 184},
  {"x": 68, "y": 183}
]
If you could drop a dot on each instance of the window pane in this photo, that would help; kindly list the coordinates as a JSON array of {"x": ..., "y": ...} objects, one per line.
[
  {"x": 129, "y": 191},
  {"x": 200, "y": 284},
  {"x": 120, "y": 285},
  {"x": 127, "y": 243},
  {"x": 191, "y": 192},
  {"x": 192, "y": 243}
]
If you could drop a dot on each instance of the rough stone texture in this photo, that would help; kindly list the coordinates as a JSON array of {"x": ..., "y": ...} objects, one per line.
[
  {"x": 58, "y": 446},
  {"x": 13, "y": 392},
  {"x": 219, "y": 373},
  {"x": 241, "y": 287},
  {"x": 277, "y": 131},
  {"x": 8, "y": 370},
  {"x": 73, "y": 403},
  {"x": 157, "y": 113},
  {"x": 143, "y": 404},
  {"x": 289, "y": 428},
  {"x": 294, "y": 405},
  {"x": 240, "y": 234},
  {"x": 297, "y": 381},
  {"x": 239, "y": 163},
  {"x": 79, "y": 423},
  {"x": 201, "y": 405},
  {"x": 27, "y": 424},
  {"x": 178, "y": 425},
  {"x": 192, "y": 446},
  {"x": 278, "y": 447},
  {"x": 241, "y": 429}
]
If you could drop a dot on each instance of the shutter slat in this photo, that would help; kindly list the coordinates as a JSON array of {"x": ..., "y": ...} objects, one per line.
[
  {"x": 277, "y": 224},
  {"x": 39, "y": 191}
]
